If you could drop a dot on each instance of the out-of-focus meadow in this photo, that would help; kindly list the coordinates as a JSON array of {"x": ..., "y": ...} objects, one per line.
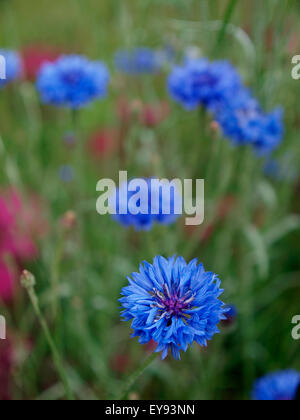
[{"x": 51, "y": 160}]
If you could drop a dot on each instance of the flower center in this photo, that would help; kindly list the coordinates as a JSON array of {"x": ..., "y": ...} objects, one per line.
[{"x": 171, "y": 304}]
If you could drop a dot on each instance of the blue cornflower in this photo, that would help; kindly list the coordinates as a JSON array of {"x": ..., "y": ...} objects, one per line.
[
  {"x": 278, "y": 386},
  {"x": 244, "y": 122},
  {"x": 173, "y": 303},
  {"x": 13, "y": 66},
  {"x": 72, "y": 81},
  {"x": 156, "y": 205},
  {"x": 201, "y": 82},
  {"x": 141, "y": 60}
]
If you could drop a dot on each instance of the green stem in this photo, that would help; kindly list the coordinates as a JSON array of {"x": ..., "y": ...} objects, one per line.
[
  {"x": 136, "y": 375},
  {"x": 56, "y": 357},
  {"x": 227, "y": 17},
  {"x": 55, "y": 274}
]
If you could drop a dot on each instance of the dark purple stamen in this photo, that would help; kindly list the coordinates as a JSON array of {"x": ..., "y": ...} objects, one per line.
[{"x": 171, "y": 304}]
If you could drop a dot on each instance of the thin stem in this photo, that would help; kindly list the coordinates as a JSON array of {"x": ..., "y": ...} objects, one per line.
[
  {"x": 136, "y": 375},
  {"x": 55, "y": 274},
  {"x": 56, "y": 357},
  {"x": 227, "y": 17}
]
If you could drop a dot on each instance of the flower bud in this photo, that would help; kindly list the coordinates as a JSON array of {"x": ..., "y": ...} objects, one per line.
[{"x": 27, "y": 280}]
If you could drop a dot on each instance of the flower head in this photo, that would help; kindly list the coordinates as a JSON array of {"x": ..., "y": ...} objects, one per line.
[
  {"x": 154, "y": 205},
  {"x": 13, "y": 66},
  {"x": 201, "y": 82},
  {"x": 153, "y": 115},
  {"x": 244, "y": 122},
  {"x": 72, "y": 81},
  {"x": 141, "y": 60},
  {"x": 278, "y": 386},
  {"x": 173, "y": 303},
  {"x": 102, "y": 143}
]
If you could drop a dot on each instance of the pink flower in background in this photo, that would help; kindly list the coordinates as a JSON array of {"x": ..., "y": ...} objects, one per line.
[
  {"x": 124, "y": 109},
  {"x": 22, "y": 223},
  {"x": 7, "y": 282},
  {"x": 35, "y": 56},
  {"x": 102, "y": 143},
  {"x": 152, "y": 115}
]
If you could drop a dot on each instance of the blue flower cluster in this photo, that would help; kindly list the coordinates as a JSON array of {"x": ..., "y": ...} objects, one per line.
[
  {"x": 278, "y": 386},
  {"x": 141, "y": 60},
  {"x": 72, "y": 81},
  {"x": 173, "y": 303},
  {"x": 244, "y": 122},
  {"x": 218, "y": 87},
  {"x": 13, "y": 66},
  {"x": 155, "y": 203}
]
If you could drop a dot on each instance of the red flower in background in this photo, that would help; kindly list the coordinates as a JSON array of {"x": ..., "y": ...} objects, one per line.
[
  {"x": 149, "y": 115},
  {"x": 102, "y": 143},
  {"x": 22, "y": 223},
  {"x": 35, "y": 56},
  {"x": 120, "y": 363},
  {"x": 152, "y": 115}
]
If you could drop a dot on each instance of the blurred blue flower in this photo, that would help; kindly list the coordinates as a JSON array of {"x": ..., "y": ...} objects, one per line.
[
  {"x": 13, "y": 66},
  {"x": 163, "y": 202},
  {"x": 66, "y": 173},
  {"x": 278, "y": 386},
  {"x": 72, "y": 81},
  {"x": 141, "y": 60},
  {"x": 284, "y": 169},
  {"x": 173, "y": 303},
  {"x": 201, "y": 82},
  {"x": 243, "y": 121}
]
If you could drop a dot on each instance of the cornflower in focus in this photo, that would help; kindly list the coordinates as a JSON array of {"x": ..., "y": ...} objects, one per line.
[{"x": 174, "y": 304}]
